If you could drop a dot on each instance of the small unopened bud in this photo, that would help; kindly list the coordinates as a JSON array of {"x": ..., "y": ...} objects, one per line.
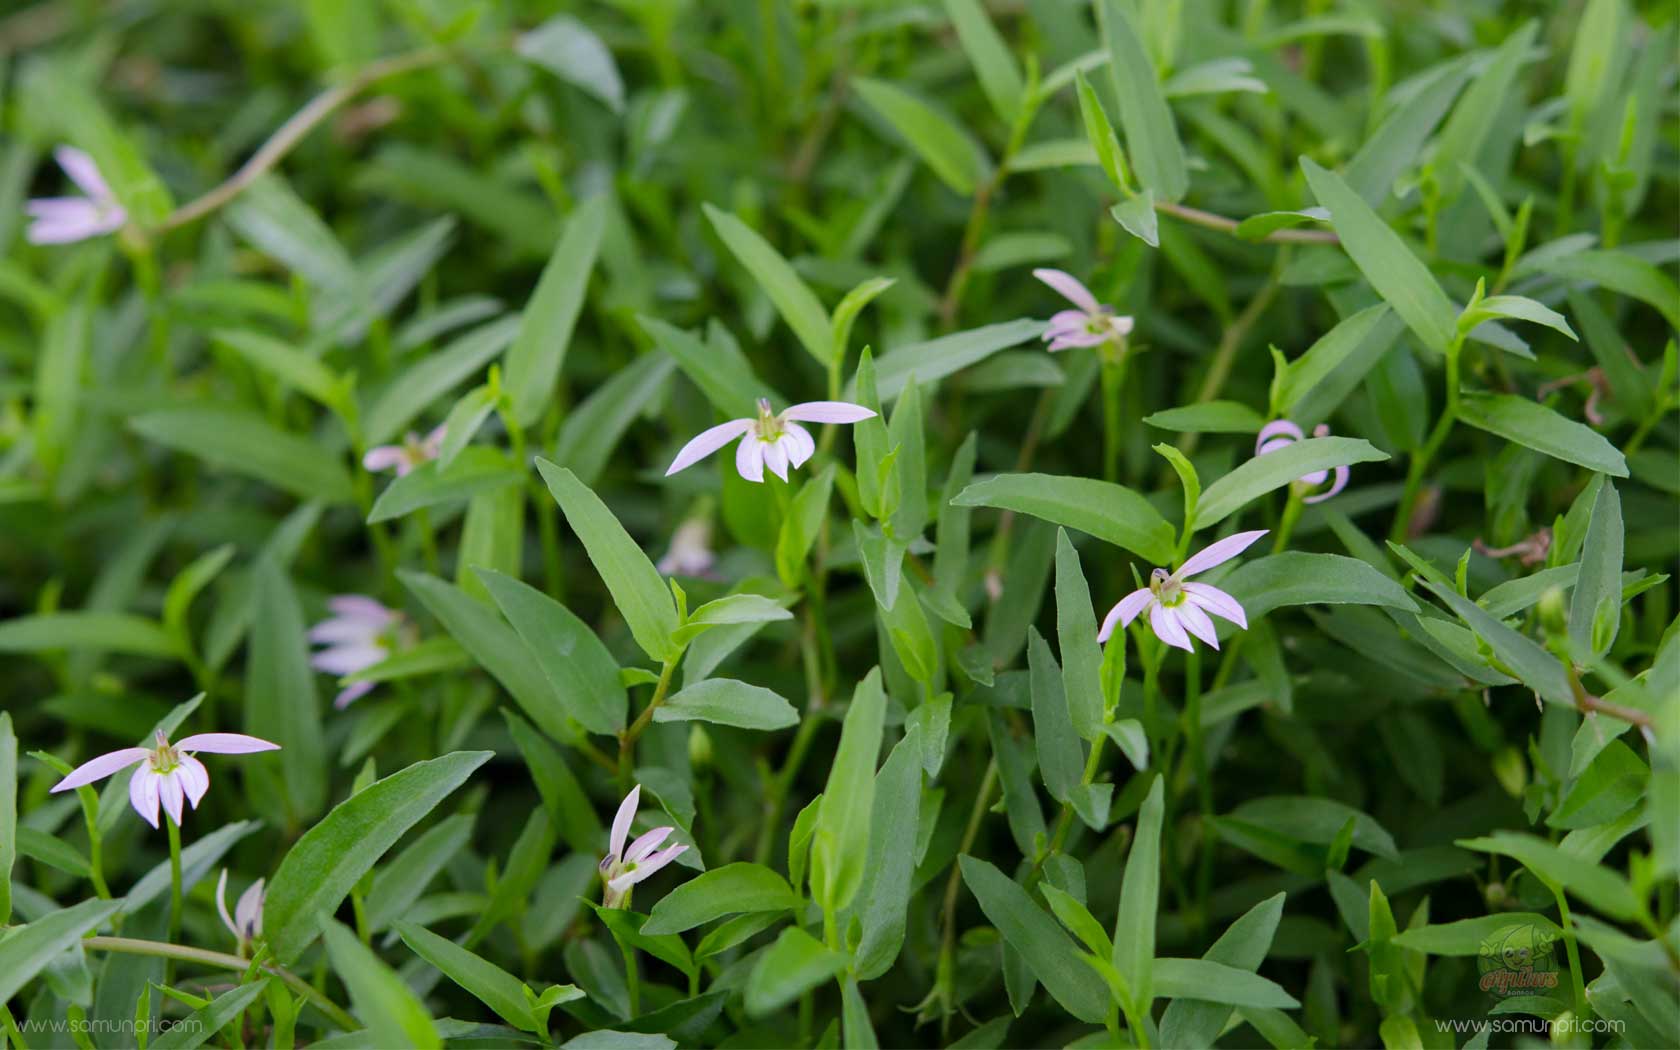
[
  {"x": 699, "y": 747},
  {"x": 1554, "y": 611},
  {"x": 1496, "y": 895},
  {"x": 1511, "y": 770}
]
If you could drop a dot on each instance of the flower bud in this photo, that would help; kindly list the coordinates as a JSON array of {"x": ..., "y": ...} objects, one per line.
[
  {"x": 699, "y": 747},
  {"x": 1554, "y": 611}
]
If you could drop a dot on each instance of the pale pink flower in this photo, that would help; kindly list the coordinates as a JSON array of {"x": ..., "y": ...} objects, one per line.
[
  {"x": 1178, "y": 609},
  {"x": 413, "y": 452},
  {"x": 773, "y": 441},
  {"x": 1092, "y": 324},
  {"x": 622, "y": 868},
  {"x": 168, "y": 772},
  {"x": 691, "y": 550},
  {"x": 360, "y": 633},
  {"x": 60, "y": 220},
  {"x": 246, "y": 921},
  {"x": 1281, "y": 433}
]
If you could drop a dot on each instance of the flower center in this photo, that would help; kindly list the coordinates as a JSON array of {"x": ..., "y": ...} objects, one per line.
[
  {"x": 1097, "y": 323},
  {"x": 1167, "y": 591},
  {"x": 768, "y": 426},
  {"x": 164, "y": 757}
]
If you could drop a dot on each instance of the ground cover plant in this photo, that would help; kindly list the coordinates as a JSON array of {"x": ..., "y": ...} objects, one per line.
[{"x": 852, "y": 523}]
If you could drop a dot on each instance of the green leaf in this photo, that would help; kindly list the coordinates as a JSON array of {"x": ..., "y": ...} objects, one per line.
[
  {"x": 850, "y": 306},
  {"x": 8, "y": 813},
  {"x": 1208, "y": 981},
  {"x": 719, "y": 369},
  {"x": 1533, "y": 425},
  {"x": 545, "y": 328},
  {"x": 1151, "y": 136},
  {"x": 1470, "y": 937},
  {"x": 110, "y": 632},
  {"x": 1318, "y": 821},
  {"x": 1209, "y": 417},
  {"x": 572, "y": 51},
  {"x": 1521, "y": 655},
  {"x": 937, "y": 358},
  {"x": 732, "y": 609},
  {"x": 1103, "y": 144},
  {"x": 399, "y": 884},
  {"x": 244, "y": 443},
  {"x": 1327, "y": 356},
  {"x": 636, "y": 586},
  {"x": 1622, "y": 273},
  {"x": 1076, "y": 636},
  {"x": 434, "y": 375},
  {"x": 840, "y": 845},
  {"x": 1137, "y": 216},
  {"x": 203, "y": 1024},
  {"x": 884, "y": 898},
  {"x": 495, "y": 647},
  {"x": 1467, "y": 130},
  {"x": 594, "y": 428},
  {"x": 1611, "y": 785},
  {"x": 1514, "y": 307},
  {"x": 1046, "y": 950},
  {"x": 1304, "y": 578},
  {"x": 280, "y": 702},
  {"x": 489, "y": 984},
  {"x": 1140, "y": 893},
  {"x": 1384, "y": 259},
  {"x": 394, "y": 1015},
  {"x": 479, "y": 468},
  {"x": 726, "y": 702},
  {"x": 1598, "y": 886},
  {"x": 1109, "y": 512},
  {"x": 1195, "y": 1021},
  {"x": 1595, "y": 605},
  {"x": 569, "y": 807},
  {"x": 29, "y": 949},
  {"x": 319, "y": 870},
  {"x": 581, "y": 671},
  {"x": 1061, "y": 759},
  {"x": 856, "y": 1031},
  {"x": 1399, "y": 141},
  {"x": 943, "y": 145},
  {"x": 1259, "y": 227},
  {"x": 1261, "y": 474},
  {"x": 793, "y": 298},
  {"x": 792, "y": 966},
  {"x": 994, "y": 65},
  {"x": 293, "y": 367},
  {"x": 729, "y": 890},
  {"x": 802, "y": 525}
]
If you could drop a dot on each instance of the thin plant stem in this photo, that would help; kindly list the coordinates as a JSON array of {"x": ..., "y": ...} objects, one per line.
[
  {"x": 627, "y": 739},
  {"x": 1064, "y": 820},
  {"x": 1208, "y": 220},
  {"x": 1582, "y": 1010},
  {"x": 982, "y": 801},
  {"x": 174, "y": 877},
  {"x": 1400, "y": 530},
  {"x": 1230, "y": 341},
  {"x": 221, "y": 960},
  {"x": 782, "y": 785},
  {"x": 1113, "y": 382}
]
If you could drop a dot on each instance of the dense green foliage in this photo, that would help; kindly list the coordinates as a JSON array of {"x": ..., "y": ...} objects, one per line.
[{"x": 1392, "y": 284}]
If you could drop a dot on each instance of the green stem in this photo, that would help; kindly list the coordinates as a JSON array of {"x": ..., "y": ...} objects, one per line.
[
  {"x": 1064, "y": 820},
  {"x": 632, "y": 977},
  {"x": 1400, "y": 529},
  {"x": 1113, "y": 381},
  {"x": 221, "y": 960},
  {"x": 174, "y": 877},
  {"x": 782, "y": 786},
  {"x": 1582, "y": 1010},
  {"x": 982, "y": 800},
  {"x": 627, "y": 739},
  {"x": 1225, "y": 355}
]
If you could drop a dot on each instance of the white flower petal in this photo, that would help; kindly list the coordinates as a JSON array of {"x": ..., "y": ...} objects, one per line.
[
  {"x": 221, "y": 904},
  {"x": 1124, "y": 612},
  {"x": 827, "y": 412},
  {"x": 646, "y": 844},
  {"x": 1218, "y": 553},
  {"x": 1282, "y": 429},
  {"x": 1070, "y": 288},
  {"x": 621, "y": 822},
  {"x": 749, "y": 459},
  {"x": 143, "y": 794},
  {"x": 648, "y": 867},
  {"x": 1164, "y": 622},
  {"x": 225, "y": 744},
  {"x": 83, "y": 172},
  {"x": 776, "y": 457},
  {"x": 384, "y": 457},
  {"x": 195, "y": 779},
  {"x": 798, "y": 443},
  {"x": 707, "y": 442},
  {"x": 1217, "y": 602},
  {"x": 1338, "y": 485},
  {"x": 1194, "y": 620},
  {"x": 351, "y": 693},
  {"x": 101, "y": 767},
  {"x": 347, "y": 659}
]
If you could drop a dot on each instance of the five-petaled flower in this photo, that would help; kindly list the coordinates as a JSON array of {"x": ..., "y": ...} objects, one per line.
[
  {"x": 770, "y": 440},
  {"x": 360, "y": 633},
  {"x": 246, "y": 921},
  {"x": 168, "y": 772},
  {"x": 413, "y": 452},
  {"x": 691, "y": 550},
  {"x": 1178, "y": 609},
  {"x": 622, "y": 868},
  {"x": 1092, "y": 324},
  {"x": 60, "y": 220},
  {"x": 1281, "y": 433}
]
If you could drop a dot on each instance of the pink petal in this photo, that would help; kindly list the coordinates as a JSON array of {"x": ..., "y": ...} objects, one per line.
[
  {"x": 1124, "y": 612},
  {"x": 342, "y": 629},
  {"x": 225, "y": 744},
  {"x": 1164, "y": 622},
  {"x": 384, "y": 457},
  {"x": 347, "y": 659},
  {"x": 351, "y": 693},
  {"x": 1277, "y": 428},
  {"x": 1216, "y": 602},
  {"x": 249, "y": 909},
  {"x": 1314, "y": 478},
  {"x": 776, "y": 457},
  {"x": 646, "y": 868},
  {"x": 1219, "y": 553},
  {"x": 1121, "y": 325},
  {"x": 1070, "y": 288},
  {"x": 433, "y": 445},
  {"x": 827, "y": 412},
  {"x": 73, "y": 220},
  {"x": 797, "y": 441},
  {"x": 707, "y": 442},
  {"x": 1339, "y": 484},
  {"x": 1064, "y": 322},
  {"x": 101, "y": 767},
  {"x": 1194, "y": 620},
  {"x": 646, "y": 844},
  {"x": 171, "y": 794},
  {"x": 621, "y": 822},
  {"x": 195, "y": 779},
  {"x": 360, "y": 607},
  {"x": 1079, "y": 338},
  {"x": 749, "y": 459},
  {"x": 143, "y": 794},
  {"x": 83, "y": 172}
]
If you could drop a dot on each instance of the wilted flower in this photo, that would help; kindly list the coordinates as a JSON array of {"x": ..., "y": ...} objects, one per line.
[
  {"x": 1281, "y": 433},
  {"x": 360, "y": 633},
  {"x": 1178, "y": 609},
  {"x": 60, "y": 220},
  {"x": 691, "y": 550},
  {"x": 622, "y": 868},
  {"x": 773, "y": 441},
  {"x": 1091, "y": 325},
  {"x": 169, "y": 773},
  {"x": 1531, "y": 550},
  {"x": 246, "y": 921},
  {"x": 413, "y": 452}
]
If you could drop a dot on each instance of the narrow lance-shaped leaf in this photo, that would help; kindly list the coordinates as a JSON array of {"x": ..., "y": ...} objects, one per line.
[
  {"x": 1076, "y": 633},
  {"x": 794, "y": 300},
  {"x": 1595, "y": 605},
  {"x": 943, "y": 146},
  {"x": 1151, "y": 136},
  {"x": 1134, "y": 926},
  {"x": 394, "y": 1015},
  {"x": 545, "y": 331},
  {"x": 840, "y": 846}
]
